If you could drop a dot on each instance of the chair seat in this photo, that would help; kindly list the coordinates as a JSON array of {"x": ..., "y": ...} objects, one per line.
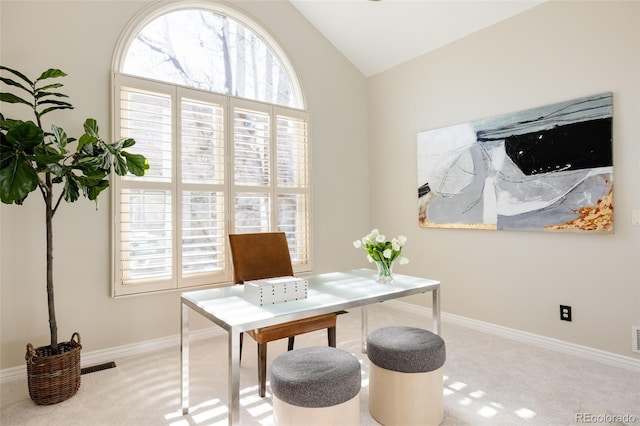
[{"x": 293, "y": 328}]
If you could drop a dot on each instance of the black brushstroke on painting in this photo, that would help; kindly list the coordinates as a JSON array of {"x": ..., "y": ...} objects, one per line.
[
  {"x": 575, "y": 146},
  {"x": 423, "y": 190}
]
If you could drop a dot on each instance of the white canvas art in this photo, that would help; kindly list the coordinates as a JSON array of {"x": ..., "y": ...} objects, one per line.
[{"x": 543, "y": 169}]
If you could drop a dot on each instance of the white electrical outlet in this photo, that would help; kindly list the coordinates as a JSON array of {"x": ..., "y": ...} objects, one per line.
[{"x": 635, "y": 217}]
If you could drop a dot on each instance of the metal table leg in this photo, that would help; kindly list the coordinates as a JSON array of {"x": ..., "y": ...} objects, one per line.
[
  {"x": 184, "y": 357},
  {"x": 365, "y": 326},
  {"x": 234, "y": 377},
  {"x": 436, "y": 310}
]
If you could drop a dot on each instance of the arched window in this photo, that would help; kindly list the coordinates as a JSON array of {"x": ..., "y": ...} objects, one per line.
[
  {"x": 215, "y": 106},
  {"x": 210, "y": 50}
]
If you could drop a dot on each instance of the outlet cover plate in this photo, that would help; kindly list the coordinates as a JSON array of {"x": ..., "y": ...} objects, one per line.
[{"x": 565, "y": 313}]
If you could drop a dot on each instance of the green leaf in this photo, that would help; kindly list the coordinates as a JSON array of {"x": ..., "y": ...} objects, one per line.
[
  {"x": 105, "y": 160},
  {"x": 112, "y": 148},
  {"x": 48, "y": 149},
  {"x": 88, "y": 167},
  {"x": 98, "y": 162},
  {"x": 7, "y": 151},
  {"x": 41, "y": 94},
  {"x": 9, "y": 123},
  {"x": 19, "y": 74},
  {"x": 54, "y": 108},
  {"x": 90, "y": 180},
  {"x": 93, "y": 185},
  {"x": 10, "y": 82},
  {"x": 13, "y": 99},
  {"x": 17, "y": 181},
  {"x": 84, "y": 140},
  {"x": 51, "y": 86},
  {"x": 59, "y": 136},
  {"x": 136, "y": 163},
  {"x": 71, "y": 189},
  {"x": 51, "y": 73},
  {"x": 129, "y": 142},
  {"x": 54, "y": 102},
  {"x": 95, "y": 155},
  {"x": 95, "y": 190},
  {"x": 120, "y": 165},
  {"x": 91, "y": 127},
  {"x": 25, "y": 136},
  {"x": 56, "y": 169},
  {"x": 47, "y": 160}
]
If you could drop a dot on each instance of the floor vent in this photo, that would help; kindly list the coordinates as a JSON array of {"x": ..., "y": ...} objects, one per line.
[
  {"x": 635, "y": 337},
  {"x": 99, "y": 367}
]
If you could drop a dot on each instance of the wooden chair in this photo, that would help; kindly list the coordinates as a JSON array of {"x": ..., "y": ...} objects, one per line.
[{"x": 266, "y": 255}]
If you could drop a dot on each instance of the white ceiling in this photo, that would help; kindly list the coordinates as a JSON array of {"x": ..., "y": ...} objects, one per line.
[{"x": 378, "y": 35}]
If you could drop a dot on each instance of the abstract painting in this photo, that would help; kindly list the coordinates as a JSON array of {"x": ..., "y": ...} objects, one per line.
[{"x": 542, "y": 169}]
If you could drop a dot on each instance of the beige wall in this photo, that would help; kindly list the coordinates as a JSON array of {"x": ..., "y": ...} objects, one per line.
[
  {"x": 557, "y": 51},
  {"x": 65, "y": 34}
]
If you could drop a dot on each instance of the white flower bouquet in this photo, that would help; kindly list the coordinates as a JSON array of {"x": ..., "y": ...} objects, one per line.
[{"x": 383, "y": 252}]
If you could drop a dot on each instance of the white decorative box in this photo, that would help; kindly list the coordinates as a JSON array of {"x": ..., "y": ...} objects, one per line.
[{"x": 270, "y": 291}]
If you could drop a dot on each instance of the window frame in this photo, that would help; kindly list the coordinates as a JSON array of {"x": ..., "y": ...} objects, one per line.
[
  {"x": 224, "y": 277},
  {"x": 154, "y": 10}
]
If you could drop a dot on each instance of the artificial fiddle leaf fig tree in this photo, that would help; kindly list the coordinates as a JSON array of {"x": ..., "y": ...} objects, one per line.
[{"x": 51, "y": 162}]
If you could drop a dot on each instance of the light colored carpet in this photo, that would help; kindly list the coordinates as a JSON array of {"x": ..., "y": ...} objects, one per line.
[{"x": 489, "y": 380}]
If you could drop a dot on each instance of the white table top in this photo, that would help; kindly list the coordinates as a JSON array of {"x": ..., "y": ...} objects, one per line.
[{"x": 330, "y": 292}]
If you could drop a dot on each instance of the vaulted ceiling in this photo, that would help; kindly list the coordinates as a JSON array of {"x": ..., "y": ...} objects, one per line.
[{"x": 378, "y": 35}]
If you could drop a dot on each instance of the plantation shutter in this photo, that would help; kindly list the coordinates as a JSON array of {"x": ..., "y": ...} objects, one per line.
[
  {"x": 144, "y": 222},
  {"x": 218, "y": 164},
  {"x": 252, "y": 169},
  {"x": 293, "y": 182},
  {"x": 202, "y": 225},
  {"x": 271, "y": 176}
]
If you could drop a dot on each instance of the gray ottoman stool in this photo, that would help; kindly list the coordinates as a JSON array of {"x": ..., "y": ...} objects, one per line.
[
  {"x": 405, "y": 376},
  {"x": 316, "y": 386}
]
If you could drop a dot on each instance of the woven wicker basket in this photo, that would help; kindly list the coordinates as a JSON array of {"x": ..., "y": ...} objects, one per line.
[{"x": 54, "y": 378}]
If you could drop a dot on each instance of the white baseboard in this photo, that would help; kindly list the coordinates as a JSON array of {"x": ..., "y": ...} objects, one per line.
[
  {"x": 593, "y": 354},
  {"x": 106, "y": 355}
]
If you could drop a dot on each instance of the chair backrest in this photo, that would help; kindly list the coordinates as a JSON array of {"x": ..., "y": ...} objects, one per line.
[{"x": 260, "y": 255}]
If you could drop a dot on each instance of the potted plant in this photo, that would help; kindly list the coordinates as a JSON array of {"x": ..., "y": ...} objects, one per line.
[{"x": 60, "y": 168}]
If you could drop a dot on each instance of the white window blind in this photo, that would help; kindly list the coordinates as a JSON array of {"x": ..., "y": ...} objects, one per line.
[
  {"x": 218, "y": 164},
  {"x": 145, "y": 224},
  {"x": 251, "y": 150},
  {"x": 202, "y": 142},
  {"x": 202, "y": 227},
  {"x": 252, "y": 170},
  {"x": 293, "y": 183},
  {"x": 292, "y": 152}
]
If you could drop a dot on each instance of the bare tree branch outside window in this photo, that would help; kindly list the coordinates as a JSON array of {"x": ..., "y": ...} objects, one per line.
[{"x": 202, "y": 49}]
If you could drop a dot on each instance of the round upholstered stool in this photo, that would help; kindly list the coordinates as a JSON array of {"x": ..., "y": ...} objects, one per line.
[
  {"x": 405, "y": 376},
  {"x": 316, "y": 386}
]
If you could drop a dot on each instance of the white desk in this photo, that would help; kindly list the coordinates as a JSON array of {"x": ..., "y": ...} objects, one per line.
[{"x": 331, "y": 292}]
